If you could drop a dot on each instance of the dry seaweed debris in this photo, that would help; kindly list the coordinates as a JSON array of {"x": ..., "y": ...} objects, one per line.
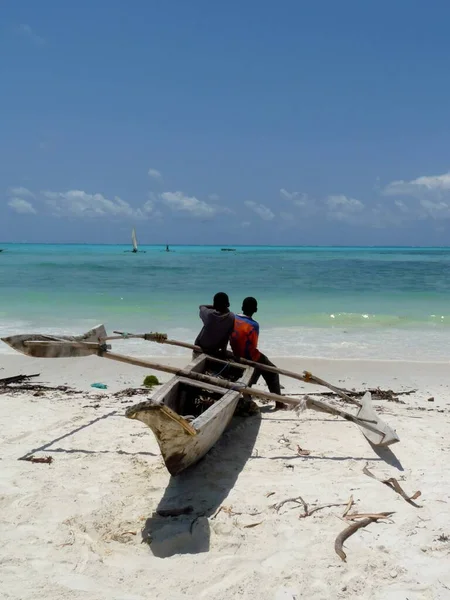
[
  {"x": 231, "y": 513},
  {"x": 17, "y": 379},
  {"x": 130, "y": 392},
  {"x": 377, "y": 394},
  {"x": 394, "y": 485},
  {"x": 351, "y": 529},
  {"x": 308, "y": 511},
  {"x": 37, "y": 388}
]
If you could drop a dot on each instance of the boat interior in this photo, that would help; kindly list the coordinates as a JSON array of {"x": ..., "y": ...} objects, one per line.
[{"x": 190, "y": 398}]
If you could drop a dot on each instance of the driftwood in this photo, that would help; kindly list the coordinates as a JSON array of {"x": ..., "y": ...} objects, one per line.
[
  {"x": 394, "y": 485},
  {"x": 307, "y": 511},
  {"x": 348, "y": 507},
  {"x": 41, "y": 459},
  {"x": 17, "y": 379},
  {"x": 355, "y": 516},
  {"x": 252, "y": 525},
  {"x": 316, "y": 508},
  {"x": 297, "y": 500},
  {"x": 344, "y": 535}
]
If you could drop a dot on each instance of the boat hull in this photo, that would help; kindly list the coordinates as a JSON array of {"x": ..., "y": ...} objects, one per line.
[{"x": 184, "y": 441}]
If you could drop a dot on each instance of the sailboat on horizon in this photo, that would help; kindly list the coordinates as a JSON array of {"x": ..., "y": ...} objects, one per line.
[{"x": 134, "y": 242}]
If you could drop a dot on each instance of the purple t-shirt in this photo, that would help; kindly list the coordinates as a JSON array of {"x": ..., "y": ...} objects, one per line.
[{"x": 216, "y": 331}]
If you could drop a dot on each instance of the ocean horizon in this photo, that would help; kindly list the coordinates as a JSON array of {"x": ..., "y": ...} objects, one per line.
[
  {"x": 162, "y": 245},
  {"x": 373, "y": 302}
]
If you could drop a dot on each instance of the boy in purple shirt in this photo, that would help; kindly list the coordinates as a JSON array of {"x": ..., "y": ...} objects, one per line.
[{"x": 218, "y": 323}]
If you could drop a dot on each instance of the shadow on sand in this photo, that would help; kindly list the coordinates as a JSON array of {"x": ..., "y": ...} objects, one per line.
[
  {"x": 388, "y": 456},
  {"x": 202, "y": 488},
  {"x": 47, "y": 445}
]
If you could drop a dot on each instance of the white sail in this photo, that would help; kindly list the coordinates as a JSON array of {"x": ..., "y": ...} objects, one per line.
[{"x": 134, "y": 240}]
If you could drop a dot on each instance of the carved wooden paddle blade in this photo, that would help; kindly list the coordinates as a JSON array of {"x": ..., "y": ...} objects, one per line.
[{"x": 387, "y": 435}]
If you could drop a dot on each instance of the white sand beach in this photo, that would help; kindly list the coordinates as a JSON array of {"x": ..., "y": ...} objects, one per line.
[{"x": 74, "y": 529}]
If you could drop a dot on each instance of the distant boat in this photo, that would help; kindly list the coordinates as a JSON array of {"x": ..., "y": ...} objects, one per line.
[
  {"x": 134, "y": 242},
  {"x": 228, "y": 249}
]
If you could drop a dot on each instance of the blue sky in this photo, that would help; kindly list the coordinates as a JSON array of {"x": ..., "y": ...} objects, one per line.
[{"x": 284, "y": 122}]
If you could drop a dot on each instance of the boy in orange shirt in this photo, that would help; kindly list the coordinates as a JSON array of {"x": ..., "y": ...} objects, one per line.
[{"x": 244, "y": 344}]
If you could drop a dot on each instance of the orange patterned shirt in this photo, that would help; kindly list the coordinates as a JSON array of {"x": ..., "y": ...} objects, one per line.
[{"x": 244, "y": 339}]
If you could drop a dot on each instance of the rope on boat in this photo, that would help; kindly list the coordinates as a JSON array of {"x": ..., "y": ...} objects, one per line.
[
  {"x": 221, "y": 371},
  {"x": 302, "y": 405}
]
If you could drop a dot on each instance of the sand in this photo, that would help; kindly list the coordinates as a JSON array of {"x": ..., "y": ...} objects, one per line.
[{"x": 75, "y": 529}]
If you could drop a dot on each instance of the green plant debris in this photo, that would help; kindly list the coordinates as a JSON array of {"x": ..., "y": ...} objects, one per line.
[{"x": 150, "y": 381}]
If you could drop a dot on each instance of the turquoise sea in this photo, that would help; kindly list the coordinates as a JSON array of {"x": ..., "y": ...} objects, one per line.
[{"x": 372, "y": 303}]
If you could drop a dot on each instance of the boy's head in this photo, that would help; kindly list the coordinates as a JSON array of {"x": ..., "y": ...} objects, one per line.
[
  {"x": 221, "y": 302},
  {"x": 249, "y": 306}
]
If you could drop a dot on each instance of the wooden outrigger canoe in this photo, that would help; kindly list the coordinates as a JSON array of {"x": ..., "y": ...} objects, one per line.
[
  {"x": 188, "y": 417},
  {"x": 186, "y": 425}
]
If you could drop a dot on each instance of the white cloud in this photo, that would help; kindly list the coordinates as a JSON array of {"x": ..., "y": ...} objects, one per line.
[
  {"x": 81, "y": 204},
  {"x": 214, "y": 197},
  {"x": 26, "y": 31},
  {"x": 346, "y": 210},
  {"x": 417, "y": 187},
  {"x": 22, "y": 206},
  {"x": 77, "y": 203},
  {"x": 435, "y": 210},
  {"x": 428, "y": 196},
  {"x": 288, "y": 195},
  {"x": 154, "y": 174},
  {"x": 343, "y": 203},
  {"x": 401, "y": 205},
  {"x": 297, "y": 198},
  {"x": 179, "y": 202},
  {"x": 261, "y": 210},
  {"x": 22, "y": 192},
  {"x": 148, "y": 207}
]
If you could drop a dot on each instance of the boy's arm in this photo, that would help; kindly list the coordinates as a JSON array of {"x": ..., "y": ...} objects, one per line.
[{"x": 204, "y": 310}]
